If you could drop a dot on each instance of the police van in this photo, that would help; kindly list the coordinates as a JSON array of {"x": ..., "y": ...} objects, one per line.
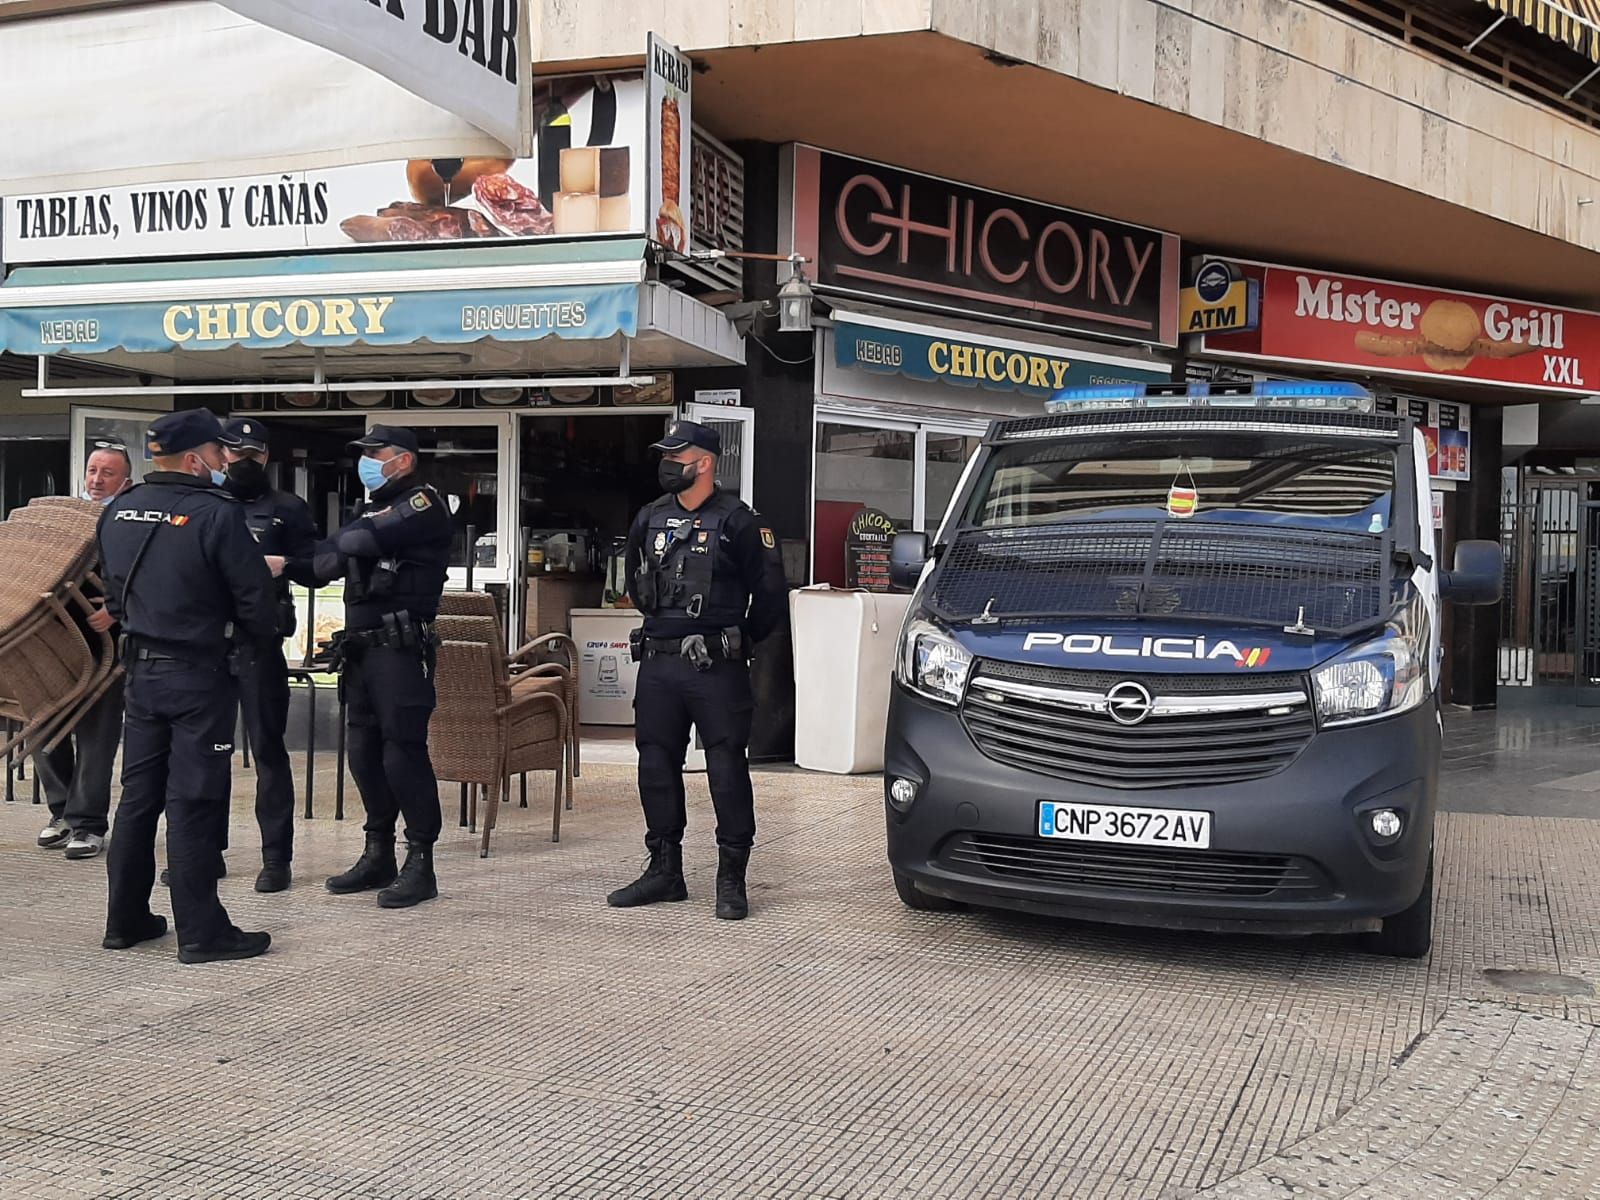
[{"x": 1173, "y": 660}]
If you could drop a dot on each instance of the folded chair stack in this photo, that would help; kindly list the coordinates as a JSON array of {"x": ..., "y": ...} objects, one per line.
[{"x": 53, "y": 667}]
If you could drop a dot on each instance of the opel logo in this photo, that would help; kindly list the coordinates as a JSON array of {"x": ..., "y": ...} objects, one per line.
[{"x": 1129, "y": 703}]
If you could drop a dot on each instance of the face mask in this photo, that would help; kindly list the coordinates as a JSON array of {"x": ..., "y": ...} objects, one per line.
[
  {"x": 84, "y": 495},
  {"x": 217, "y": 477},
  {"x": 676, "y": 477},
  {"x": 247, "y": 477},
  {"x": 371, "y": 472}
]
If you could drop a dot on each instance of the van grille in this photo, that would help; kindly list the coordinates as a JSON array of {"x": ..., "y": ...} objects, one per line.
[
  {"x": 1088, "y": 865},
  {"x": 1050, "y": 737}
]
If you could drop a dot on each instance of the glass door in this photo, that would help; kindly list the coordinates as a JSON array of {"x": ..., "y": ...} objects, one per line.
[
  {"x": 470, "y": 459},
  {"x": 736, "y": 469},
  {"x": 907, "y": 470}
]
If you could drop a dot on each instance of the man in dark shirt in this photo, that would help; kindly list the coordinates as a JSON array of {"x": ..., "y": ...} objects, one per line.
[
  {"x": 183, "y": 578},
  {"x": 394, "y": 560},
  {"x": 707, "y": 575},
  {"x": 281, "y": 524}
]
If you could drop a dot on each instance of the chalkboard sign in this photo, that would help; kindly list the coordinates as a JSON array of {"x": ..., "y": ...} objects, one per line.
[{"x": 866, "y": 550}]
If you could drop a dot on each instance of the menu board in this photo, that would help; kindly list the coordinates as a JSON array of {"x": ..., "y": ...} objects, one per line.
[{"x": 867, "y": 544}]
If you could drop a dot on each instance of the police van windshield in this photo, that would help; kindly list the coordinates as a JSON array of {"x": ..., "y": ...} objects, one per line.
[{"x": 1237, "y": 478}]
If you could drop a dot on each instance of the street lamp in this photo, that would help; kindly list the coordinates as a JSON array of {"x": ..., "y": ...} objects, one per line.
[{"x": 794, "y": 304}]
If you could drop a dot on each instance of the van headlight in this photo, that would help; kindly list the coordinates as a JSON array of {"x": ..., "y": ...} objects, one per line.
[
  {"x": 1380, "y": 678},
  {"x": 932, "y": 663}
]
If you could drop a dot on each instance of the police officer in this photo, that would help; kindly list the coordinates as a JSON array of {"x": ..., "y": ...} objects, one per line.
[
  {"x": 77, "y": 773},
  {"x": 708, "y": 577},
  {"x": 393, "y": 559},
  {"x": 282, "y": 526},
  {"x": 183, "y": 577}
]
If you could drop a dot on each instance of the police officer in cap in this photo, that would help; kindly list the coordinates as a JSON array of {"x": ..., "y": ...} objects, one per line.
[
  {"x": 707, "y": 575},
  {"x": 184, "y": 579},
  {"x": 282, "y": 526},
  {"x": 393, "y": 559}
]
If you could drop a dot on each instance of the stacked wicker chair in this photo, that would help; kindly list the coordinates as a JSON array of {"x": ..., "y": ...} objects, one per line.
[
  {"x": 499, "y": 716},
  {"x": 52, "y": 667}
]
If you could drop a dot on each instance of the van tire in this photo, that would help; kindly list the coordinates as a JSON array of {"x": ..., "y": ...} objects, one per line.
[
  {"x": 921, "y": 901},
  {"x": 1409, "y": 933}
]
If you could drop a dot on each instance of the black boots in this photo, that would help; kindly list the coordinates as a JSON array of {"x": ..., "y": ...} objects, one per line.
[
  {"x": 374, "y": 869},
  {"x": 231, "y": 946},
  {"x": 732, "y": 905},
  {"x": 662, "y": 880},
  {"x": 416, "y": 882},
  {"x": 274, "y": 877}
]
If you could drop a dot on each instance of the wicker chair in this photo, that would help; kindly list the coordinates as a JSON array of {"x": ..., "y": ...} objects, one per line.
[
  {"x": 482, "y": 735},
  {"x": 532, "y": 660},
  {"x": 49, "y": 672}
]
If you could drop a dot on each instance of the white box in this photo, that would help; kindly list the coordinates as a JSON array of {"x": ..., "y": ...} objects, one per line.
[
  {"x": 843, "y": 665},
  {"x": 606, "y": 671}
]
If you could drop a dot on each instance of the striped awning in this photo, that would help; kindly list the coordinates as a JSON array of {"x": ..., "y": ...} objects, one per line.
[{"x": 1574, "y": 23}]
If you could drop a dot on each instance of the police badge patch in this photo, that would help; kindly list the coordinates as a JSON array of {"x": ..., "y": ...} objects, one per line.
[
  {"x": 767, "y": 540},
  {"x": 420, "y": 502},
  {"x": 661, "y": 541}
]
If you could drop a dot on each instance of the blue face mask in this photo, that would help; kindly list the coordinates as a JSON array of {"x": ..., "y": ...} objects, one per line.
[
  {"x": 217, "y": 478},
  {"x": 371, "y": 472}
]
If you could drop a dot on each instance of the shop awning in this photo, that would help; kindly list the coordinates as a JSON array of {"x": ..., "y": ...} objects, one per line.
[
  {"x": 205, "y": 318},
  {"x": 188, "y": 90},
  {"x": 1574, "y": 23},
  {"x": 974, "y": 355}
]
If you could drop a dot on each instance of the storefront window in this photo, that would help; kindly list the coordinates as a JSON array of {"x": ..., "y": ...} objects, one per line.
[
  {"x": 463, "y": 462},
  {"x": 858, "y": 467},
  {"x": 946, "y": 457}
]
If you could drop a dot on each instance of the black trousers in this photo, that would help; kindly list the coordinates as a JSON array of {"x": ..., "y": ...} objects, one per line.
[
  {"x": 264, "y": 701},
  {"x": 670, "y": 697},
  {"x": 177, "y": 757},
  {"x": 77, "y": 774},
  {"x": 389, "y": 697}
]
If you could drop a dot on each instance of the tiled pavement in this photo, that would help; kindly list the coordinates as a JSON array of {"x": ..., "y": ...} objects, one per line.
[{"x": 519, "y": 1039}]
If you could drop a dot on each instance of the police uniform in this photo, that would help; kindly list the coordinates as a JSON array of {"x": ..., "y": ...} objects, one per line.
[
  {"x": 710, "y": 584},
  {"x": 394, "y": 559},
  {"x": 183, "y": 578},
  {"x": 281, "y": 524}
]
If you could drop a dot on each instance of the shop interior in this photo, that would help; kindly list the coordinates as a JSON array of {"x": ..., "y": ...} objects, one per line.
[{"x": 541, "y": 500}]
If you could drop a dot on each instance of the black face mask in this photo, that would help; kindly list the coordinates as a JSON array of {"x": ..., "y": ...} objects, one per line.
[
  {"x": 247, "y": 478},
  {"x": 676, "y": 477}
]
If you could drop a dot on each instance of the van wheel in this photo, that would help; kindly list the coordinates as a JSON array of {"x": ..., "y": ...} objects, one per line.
[
  {"x": 1409, "y": 933},
  {"x": 920, "y": 901}
]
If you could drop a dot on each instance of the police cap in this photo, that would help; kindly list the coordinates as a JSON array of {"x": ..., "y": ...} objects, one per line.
[
  {"x": 379, "y": 436},
  {"x": 248, "y": 433},
  {"x": 681, "y": 435},
  {"x": 180, "y": 432}
]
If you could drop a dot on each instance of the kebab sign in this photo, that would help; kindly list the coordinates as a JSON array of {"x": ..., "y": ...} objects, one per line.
[{"x": 1378, "y": 327}]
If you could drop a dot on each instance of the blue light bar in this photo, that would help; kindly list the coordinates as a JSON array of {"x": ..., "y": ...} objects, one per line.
[{"x": 1273, "y": 393}]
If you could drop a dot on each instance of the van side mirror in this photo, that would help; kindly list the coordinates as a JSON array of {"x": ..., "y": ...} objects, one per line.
[
  {"x": 1477, "y": 575},
  {"x": 908, "y": 554}
]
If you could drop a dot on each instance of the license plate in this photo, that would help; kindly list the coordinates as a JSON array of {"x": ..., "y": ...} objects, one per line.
[{"x": 1178, "y": 827}]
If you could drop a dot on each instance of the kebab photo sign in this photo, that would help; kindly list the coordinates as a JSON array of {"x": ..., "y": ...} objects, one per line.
[
  {"x": 1377, "y": 327},
  {"x": 586, "y": 176},
  {"x": 668, "y": 78}
]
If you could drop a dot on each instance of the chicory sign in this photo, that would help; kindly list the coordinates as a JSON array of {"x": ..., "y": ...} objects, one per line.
[
  {"x": 880, "y": 231},
  {"x": 504, "y": 314},
  {"x": 1377, "y": 327},
  {"x": 964, "y": 363}
]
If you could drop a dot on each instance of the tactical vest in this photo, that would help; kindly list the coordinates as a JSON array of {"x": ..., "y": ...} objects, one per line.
[{"x": 687, "y": 569}]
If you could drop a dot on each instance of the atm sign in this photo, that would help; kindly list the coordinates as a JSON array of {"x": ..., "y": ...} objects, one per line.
[{"x": 1234, "y": 310}]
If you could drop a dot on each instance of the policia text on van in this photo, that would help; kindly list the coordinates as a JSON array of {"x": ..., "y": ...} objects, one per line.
[{"x": 1173, "y": 660}]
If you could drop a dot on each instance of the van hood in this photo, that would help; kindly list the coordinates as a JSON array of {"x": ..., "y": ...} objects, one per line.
[{"x": 1147, "y": 647}]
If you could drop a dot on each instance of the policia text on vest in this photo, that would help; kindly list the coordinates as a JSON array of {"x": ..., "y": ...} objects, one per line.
[{"x": 708, "y": 577}]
